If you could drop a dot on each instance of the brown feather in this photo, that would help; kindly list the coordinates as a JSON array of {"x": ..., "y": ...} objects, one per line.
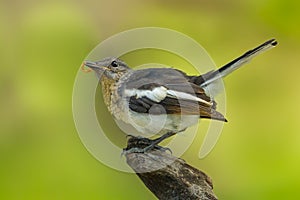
[{"x": 148, "y": 79}]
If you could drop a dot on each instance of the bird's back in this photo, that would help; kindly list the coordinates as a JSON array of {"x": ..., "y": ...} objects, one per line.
[{"x": 166, "y": 91}]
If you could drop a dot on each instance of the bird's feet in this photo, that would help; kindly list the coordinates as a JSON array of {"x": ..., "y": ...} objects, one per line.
[{"x": 142, "y": 145}]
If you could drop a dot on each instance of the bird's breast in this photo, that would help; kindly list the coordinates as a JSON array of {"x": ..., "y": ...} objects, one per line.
[{"x": 113, "y": 98}]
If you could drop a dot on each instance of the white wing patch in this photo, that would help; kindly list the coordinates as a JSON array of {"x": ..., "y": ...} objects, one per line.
[
  {"x": 157, "y": 94},
  {"x": 186, "y": 96},
  {"x": 160, "y": 93}
]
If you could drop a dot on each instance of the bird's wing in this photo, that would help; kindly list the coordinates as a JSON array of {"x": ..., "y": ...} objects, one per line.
[{"x": 168, "y": 91}]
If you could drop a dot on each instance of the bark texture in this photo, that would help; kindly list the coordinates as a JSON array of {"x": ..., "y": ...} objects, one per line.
[{"x": 165, "y": 175}]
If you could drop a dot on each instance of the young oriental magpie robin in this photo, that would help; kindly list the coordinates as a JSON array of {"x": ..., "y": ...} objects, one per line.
[{"x": 163, "y": 101}]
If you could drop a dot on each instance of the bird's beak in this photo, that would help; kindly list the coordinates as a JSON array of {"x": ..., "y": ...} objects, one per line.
[{"x": 92, "y": 66}]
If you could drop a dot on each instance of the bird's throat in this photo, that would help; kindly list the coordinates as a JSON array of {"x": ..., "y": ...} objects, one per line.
[{"x": 107, "y": 90}]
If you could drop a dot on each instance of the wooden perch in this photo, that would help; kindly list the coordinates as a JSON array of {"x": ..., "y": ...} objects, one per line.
[{"x": 167, "y": 176}]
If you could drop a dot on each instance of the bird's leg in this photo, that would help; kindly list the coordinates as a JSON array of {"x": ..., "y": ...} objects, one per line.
[
  {"x": 150, "y": 144},
  {"x": 159, "y": 140}
]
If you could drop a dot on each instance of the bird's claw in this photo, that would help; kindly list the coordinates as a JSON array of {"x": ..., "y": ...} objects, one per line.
[{"x": 143, "y": 145}]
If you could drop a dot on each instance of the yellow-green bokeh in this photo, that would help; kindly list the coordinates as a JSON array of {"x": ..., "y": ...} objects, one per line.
[{"x": 43, "y": 44}]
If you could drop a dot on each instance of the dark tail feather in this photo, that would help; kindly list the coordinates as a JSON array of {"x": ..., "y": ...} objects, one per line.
[{"x": 211, "y": 76}]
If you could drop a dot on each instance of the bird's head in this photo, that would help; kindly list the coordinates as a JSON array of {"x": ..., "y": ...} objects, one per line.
[{"x": 110, "y": 67}]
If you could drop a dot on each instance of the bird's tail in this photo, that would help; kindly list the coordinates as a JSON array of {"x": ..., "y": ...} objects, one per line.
[{"x": 212, "y": 76}]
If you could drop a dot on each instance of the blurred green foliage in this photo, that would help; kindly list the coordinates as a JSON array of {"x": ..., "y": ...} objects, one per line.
[{"x": 44, "y": 43}]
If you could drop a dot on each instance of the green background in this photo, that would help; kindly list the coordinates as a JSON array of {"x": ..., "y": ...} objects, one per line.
[{"x": 43, "y": 43}]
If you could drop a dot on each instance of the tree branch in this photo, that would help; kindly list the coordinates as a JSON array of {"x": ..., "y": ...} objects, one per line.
[{"x": 167, "y": 176}]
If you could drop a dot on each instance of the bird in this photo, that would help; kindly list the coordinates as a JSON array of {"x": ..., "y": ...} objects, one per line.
[{"x": 162, "y": 101}]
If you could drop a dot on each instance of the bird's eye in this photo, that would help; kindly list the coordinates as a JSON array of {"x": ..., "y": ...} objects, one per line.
[{"x": 114, "y": 64}]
